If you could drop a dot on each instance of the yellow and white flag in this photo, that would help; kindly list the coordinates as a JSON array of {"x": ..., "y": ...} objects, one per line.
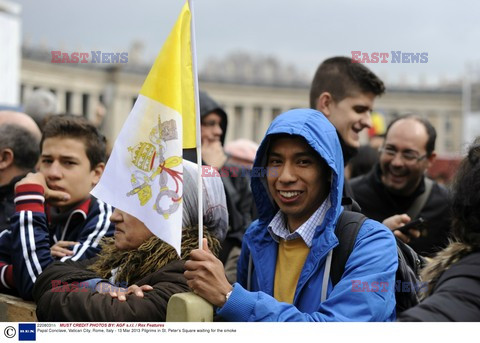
[{"x": 143, "y": 176}]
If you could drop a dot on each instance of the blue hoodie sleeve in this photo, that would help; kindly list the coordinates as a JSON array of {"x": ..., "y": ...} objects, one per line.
[{"x": 372, "y": 264}]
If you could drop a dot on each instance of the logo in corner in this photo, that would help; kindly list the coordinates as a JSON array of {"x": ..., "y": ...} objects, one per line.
[
  {"x": 27, "y": 332},
  {"x": 10, "y": 332}
]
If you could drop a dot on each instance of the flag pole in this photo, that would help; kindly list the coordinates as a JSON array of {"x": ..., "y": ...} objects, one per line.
[{"x": 198, "y": 128}]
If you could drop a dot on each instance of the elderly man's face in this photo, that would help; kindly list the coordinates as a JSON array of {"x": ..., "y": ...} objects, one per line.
[{"x": 130, "y": 232}]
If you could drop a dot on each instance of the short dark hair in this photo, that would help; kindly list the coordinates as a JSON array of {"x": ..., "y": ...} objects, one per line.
[
  {"x": 466, "y": 198},
  {"x": 342, "y": 77},
  {"x": 22, "y": 142},
  {"x": 70, "y": 126},
  {"x": 431, "y": 132}
]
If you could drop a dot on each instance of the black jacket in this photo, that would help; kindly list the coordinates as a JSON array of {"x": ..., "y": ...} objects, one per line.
[
  {"x": 69, "y": 303},
  {"x": 7, "y": 205},
  {"x": 456, "y": 296},
  {"x": 378, "y": 204}
]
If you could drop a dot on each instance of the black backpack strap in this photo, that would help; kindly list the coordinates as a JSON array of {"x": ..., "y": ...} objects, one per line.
[
  {"x": 347, "y": 228},
  {"x": 351, "y": 205},
  {"x": 421, "y": 200}
]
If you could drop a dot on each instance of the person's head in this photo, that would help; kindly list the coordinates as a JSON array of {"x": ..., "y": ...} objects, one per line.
[
  {"x": 19, "y": 151},
  {"x": 40, "y": 105},
  {"x": 213, "y": 119},
  {"x": 19, "y": 140},
  {"x": 23, "y": 120},
  {"x": 408, "y": 151},
  {"x": 242, "y": 151},
  {"x": 72, "y": 157},
  {"x": 466, "y": 198},
  {"x": 298, "y": 164},
  {"x": 298, "y": 179},
  {"x": 344, "y": 92},
  {"x": 130, "y": 232}
]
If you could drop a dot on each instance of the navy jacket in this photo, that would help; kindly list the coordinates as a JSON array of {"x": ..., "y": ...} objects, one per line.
[{"x": 25, "y": 248}]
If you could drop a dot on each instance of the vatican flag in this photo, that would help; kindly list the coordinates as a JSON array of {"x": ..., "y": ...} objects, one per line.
[{"x": 143, "y": 176}]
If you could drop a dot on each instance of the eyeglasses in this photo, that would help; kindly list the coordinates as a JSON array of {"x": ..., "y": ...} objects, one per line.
[{"x": 407, "y": 156}]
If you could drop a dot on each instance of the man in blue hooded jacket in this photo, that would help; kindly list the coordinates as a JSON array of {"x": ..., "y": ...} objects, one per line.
[{"x": 284, "y": 267}]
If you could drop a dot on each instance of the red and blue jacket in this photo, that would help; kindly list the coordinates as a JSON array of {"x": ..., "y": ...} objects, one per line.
[{"x": 35, "y": 228}]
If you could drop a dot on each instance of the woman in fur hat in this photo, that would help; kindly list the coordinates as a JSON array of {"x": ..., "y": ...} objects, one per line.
[
  {"x": 453, "y": 276},
  {"x": 135, "y": 274}
]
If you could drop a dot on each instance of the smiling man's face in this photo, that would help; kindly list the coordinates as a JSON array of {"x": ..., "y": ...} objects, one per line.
[
  {"x": 350, "y": 116},
  {"x": 300, "y": 181},
  {"x": 401, "y": 174}
]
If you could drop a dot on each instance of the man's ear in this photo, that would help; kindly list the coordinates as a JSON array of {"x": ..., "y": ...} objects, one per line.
[
  {"x": 97, "y": 172},
  {"x": 431, "y": 159},
  {"x": 6, "y": 158},
  {"x": 324, "y": 102}
]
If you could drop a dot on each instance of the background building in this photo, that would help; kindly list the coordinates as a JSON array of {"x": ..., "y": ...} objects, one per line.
[{"x": 252, "y": 91}]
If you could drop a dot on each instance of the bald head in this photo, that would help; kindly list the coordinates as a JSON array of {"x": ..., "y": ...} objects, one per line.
[{"x": 20, "y": 119}]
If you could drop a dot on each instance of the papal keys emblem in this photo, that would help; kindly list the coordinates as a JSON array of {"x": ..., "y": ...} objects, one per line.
[{"x": 150, "y": 163}]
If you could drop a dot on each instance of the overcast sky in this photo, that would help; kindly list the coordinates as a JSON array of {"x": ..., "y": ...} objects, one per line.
[{"x": 299, "y": 32}]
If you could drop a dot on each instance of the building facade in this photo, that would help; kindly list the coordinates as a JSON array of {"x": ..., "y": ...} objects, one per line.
[{"x": 250, "y": 103}]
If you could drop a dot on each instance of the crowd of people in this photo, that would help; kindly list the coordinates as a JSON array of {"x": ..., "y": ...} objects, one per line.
[{"x": 315, "y": 237}]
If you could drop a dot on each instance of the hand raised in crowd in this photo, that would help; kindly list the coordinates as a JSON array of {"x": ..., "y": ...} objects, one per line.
[
  {"x": 213, "y": 154},
  {"x": 61, "y": 248},
  {"x": 396, "y": 222},
  {"x": 120, "y": 292},
  {"x": 206, "y": 276},
  {"x": 39, "y": 179}
]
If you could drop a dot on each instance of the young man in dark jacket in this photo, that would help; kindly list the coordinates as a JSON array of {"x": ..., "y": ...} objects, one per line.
[
  {"x": 56, "y": 218},
  {"x": 345, "y": 91}
]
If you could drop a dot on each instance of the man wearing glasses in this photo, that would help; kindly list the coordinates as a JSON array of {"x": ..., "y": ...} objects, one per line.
[{"x": 397, "y": 186}]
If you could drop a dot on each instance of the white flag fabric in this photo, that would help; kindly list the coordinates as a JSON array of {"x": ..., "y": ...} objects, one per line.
[{"x": 143, "y": 176}]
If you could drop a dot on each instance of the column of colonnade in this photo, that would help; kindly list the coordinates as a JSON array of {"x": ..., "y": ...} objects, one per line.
[{"x": 232, "y": 125}]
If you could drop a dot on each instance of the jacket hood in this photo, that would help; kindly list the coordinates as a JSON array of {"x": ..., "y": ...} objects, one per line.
[
  {"x": 207, "y": 106},
  {"x": 321, "y": 135}
]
